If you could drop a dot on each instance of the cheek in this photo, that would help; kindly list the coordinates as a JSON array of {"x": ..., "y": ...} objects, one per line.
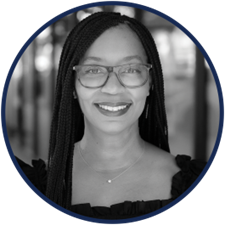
[
  {"x": 140, "y": 99},
  {"x": 142, "y": 93},
  {"x": 84, "y": 95},
  {"x": 140, "y": 106}
]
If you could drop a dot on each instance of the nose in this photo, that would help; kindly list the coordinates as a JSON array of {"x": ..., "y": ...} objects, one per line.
[{"x": 113, "y": 85}]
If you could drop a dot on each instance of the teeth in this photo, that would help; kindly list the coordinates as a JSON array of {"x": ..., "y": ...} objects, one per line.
[{"x": 113, "y": 109}]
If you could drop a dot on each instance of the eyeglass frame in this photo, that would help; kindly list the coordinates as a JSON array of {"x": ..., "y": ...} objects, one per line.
[{"x": 111, "y": 69}]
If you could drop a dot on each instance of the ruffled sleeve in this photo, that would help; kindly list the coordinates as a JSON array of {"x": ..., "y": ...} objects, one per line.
[
  {"x": 36, "y": 173},
  {"x": 123, "y": 210},
  {"x": 190, "y": 170}
]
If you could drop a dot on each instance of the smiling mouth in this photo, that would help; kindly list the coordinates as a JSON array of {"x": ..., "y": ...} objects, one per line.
[{"x": 111, "y": 109}]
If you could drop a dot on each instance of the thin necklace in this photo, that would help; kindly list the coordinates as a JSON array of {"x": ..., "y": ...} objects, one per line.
[{"x": 110, "y": 180}]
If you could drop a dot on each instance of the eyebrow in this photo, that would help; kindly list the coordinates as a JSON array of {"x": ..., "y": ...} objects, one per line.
[
  {"x": 98, "y": 59},
  {"x": 129, "y": 58}
]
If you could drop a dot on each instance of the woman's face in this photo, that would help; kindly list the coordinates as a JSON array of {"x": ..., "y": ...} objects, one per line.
[{"x": 103, "y": 107}]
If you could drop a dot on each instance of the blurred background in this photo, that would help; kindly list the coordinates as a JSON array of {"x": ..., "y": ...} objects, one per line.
[{"x": 191, "y": 96}]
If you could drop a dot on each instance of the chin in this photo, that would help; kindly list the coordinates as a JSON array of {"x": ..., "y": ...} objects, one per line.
[
  {"x": 112, "y": 129},
  {"x": 117, "y": 127}
]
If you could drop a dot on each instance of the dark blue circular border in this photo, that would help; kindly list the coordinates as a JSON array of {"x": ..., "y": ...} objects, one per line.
[{"x": 135, "y": 6}]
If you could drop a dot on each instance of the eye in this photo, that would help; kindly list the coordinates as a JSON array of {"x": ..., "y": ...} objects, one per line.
[
  {"x": 92, "y": 70},
  {"x": 131, "y": 70}
]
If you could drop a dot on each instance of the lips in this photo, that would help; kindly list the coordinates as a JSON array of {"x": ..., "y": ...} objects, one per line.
[{"x": 113, "y": 109}]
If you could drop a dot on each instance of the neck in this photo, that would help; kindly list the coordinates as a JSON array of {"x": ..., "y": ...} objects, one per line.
[{"x": 105, "y": 151}]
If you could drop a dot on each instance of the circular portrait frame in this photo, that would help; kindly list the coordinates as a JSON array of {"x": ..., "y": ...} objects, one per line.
[{"x": 207, "y": 58}]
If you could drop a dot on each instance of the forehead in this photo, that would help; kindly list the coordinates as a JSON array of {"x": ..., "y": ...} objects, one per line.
[{"x": 115, "y": 45}]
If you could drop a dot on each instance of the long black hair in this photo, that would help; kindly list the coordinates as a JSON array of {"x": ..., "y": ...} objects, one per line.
[{"x": 67, "y": 125}]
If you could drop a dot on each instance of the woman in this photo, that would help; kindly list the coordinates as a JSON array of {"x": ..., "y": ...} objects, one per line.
[{"x": 109, "y": 153}]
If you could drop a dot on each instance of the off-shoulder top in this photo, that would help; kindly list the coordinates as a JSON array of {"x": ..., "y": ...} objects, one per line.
[{"x": 181, "y": 181}]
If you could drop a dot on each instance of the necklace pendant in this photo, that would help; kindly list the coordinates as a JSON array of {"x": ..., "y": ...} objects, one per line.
[{"x": 109, "y": 181}]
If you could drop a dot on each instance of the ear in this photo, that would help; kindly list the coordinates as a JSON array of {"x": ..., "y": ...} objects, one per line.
[
  {"x": 151, "y": 86},
  {"x": 74, "y": 94}
]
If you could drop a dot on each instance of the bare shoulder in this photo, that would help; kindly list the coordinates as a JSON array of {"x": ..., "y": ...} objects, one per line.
[
  {"x": 158, "y": 168},
  {"x": 161, "y": 160}
]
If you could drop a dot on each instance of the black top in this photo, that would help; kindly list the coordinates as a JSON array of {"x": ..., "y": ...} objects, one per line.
[{"x": 181, "y": 181}]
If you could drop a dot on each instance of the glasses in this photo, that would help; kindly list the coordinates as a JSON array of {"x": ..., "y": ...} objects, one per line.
[{"x": 129, "y": 75}]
